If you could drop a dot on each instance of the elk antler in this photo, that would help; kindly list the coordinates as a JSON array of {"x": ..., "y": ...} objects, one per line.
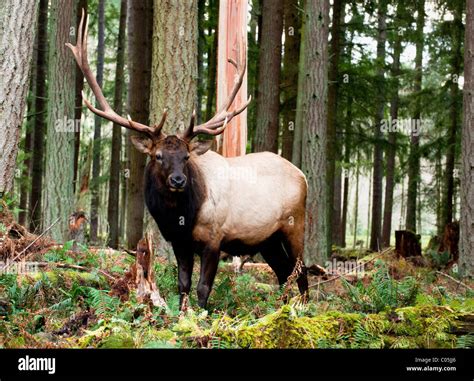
[
  {"x": 217, "y": 124},
  {"x": 80, "y": 54}
]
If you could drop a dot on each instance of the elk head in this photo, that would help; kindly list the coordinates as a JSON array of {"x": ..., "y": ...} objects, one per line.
[{"x": 170, "y": 152}]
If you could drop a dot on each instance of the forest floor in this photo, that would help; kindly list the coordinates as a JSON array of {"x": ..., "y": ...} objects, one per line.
[{"x": 68, "y": 303}]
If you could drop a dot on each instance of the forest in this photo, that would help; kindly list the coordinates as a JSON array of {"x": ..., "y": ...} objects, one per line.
[{"x": 315, "y": 156}]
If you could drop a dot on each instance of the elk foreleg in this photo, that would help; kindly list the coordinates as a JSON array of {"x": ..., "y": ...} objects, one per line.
[
  {"x": 209, "y": 263},
  {"x": 185, "y": 259}
]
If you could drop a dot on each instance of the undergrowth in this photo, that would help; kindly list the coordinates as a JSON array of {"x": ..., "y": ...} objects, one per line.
[{"x": 68, "y": 308}]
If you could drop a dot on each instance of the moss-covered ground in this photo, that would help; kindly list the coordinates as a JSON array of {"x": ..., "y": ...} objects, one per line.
[{"x": 395, "y": 304}]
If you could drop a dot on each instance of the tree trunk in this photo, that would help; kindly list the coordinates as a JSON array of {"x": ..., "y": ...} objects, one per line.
[
  {"x": 140, "y": 27},
  {"x": 356, "y": 204},
  {"x": 292, "y": 22},
  {"x": 466, "y": 241},
  {"x": 28, "y": 142},
  {"x": 296, "y": 156},
  {"x": 59, "y": 170},
  {"x": 333, "y": 179},
  {"x": 18, "y": 22},
  {"x": 268, "y": 99},
  {"x": 200, "y": 57},
  {"x": 414, "y": 157},
  {"x": 39, "y": 119},
  {"x": 212, "y": 60},
  {"x": 95, "y": 183},
  {"x": 81, "y": 5},
  {"x": 392, "y": 141},
  {"x": 114, "y": 181},
  {"x": 456, "y": 60},
  {"x": 375, "y": 231},
  {"x": 174, "y": 80},
  {"x": 314, "y": 151},
  {"x": 369, "y": 209},
  {"x": 232, "y": 29}
]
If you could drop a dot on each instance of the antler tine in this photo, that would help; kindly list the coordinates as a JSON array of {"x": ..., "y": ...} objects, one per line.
[
  {"x": 217, "y": 124},
  {"x": 80, "y": 55},
  {"x": 157, "y": 128}
]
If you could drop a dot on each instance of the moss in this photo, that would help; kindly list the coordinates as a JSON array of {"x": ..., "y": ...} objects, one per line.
[{"x": 408, "y": 327}]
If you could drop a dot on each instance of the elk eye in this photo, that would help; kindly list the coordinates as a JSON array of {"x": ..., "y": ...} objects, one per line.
[
  {"x": 186, "y": 158},
  {"x": 159, "y": 157}
]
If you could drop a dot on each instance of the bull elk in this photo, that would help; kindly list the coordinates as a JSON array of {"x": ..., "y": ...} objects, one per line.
[{"x": 204, "y": 203}]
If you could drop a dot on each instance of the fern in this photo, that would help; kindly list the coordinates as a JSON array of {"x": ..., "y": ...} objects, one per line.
[
  {"x": 465, "y": 341},
  {"x": 382, "y": 293},
  {"x": 102, "y": 302}
]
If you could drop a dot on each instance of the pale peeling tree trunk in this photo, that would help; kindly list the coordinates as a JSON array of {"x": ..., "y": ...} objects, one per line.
[
  {"x": 17, "y": 37},
  {"x": 58, "y": 194},
  {"x": 232, "y": 32},
  {"x": 466, "y": 253},
  {"x": 268, "y": 99},
  {"x": 392, "y": 140},
  {"x": 174, "y": 63},
  {"x": 314, "y": 149},
  {"x": 140, "y": 26},
  {"x": 114, "y": 181},
  {"x": 414, "y": 157},
  {"x": 376, "y": 228}
]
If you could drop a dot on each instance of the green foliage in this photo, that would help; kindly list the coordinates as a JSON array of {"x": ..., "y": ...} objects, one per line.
[
  {"x": 382, "y": 293},
  {"x": 438, "y": 260},
  {"x": 465, "y": 341}
]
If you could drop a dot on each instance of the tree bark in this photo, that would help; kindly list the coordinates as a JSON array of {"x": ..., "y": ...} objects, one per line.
[
  {"x": 39, "y": 125},
  {"x": 174, "y": 63},
  {"x": 292, "y": 24},
  {"x": 392, "y": 141},
  {"x": 81, "y": 5},
  {"x": 212, "y": 60},
  {"x": 375, "y": 231},
  {"x": 466, "y": 241},
  {"x": 28, "y": 143},
  {"x": 314, "y": 149},
  {"x": 334, "y": 176},
  {"x": 59, "y": 170},
  {"x": 18, "y": 21},
  {"x": 232, "y": 29},
  {"x": 140, "y": 26},
  {"x": 414, "y": 157},
  {"x": 114, "y": 181},
  {"x": 268, "y": 99},
  {"x": 456, "y": 60},
  {"x": 95, "y": 183}
]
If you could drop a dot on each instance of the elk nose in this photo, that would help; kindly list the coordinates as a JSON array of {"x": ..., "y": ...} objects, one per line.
[{"x": 177, "y": 181}]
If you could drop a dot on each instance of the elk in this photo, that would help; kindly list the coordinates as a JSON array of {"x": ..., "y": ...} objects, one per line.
[{"x": 204, "y": 203}]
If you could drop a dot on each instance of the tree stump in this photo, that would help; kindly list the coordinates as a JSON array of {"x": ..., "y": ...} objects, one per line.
[
  {"x": 407, "y": 244},
  {"x": 77, "y": 225},
  {"x": 450, "y": 240},
  {"x": 141, "y": 276}
]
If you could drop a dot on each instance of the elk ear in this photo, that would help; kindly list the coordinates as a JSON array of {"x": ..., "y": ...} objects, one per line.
[
  {"x": 200, "y": 147},
  {"x": 142, "y": 143}
]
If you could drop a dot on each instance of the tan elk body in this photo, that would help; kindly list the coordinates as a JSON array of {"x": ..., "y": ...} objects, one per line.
[{"x": 204, "y": 203}]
